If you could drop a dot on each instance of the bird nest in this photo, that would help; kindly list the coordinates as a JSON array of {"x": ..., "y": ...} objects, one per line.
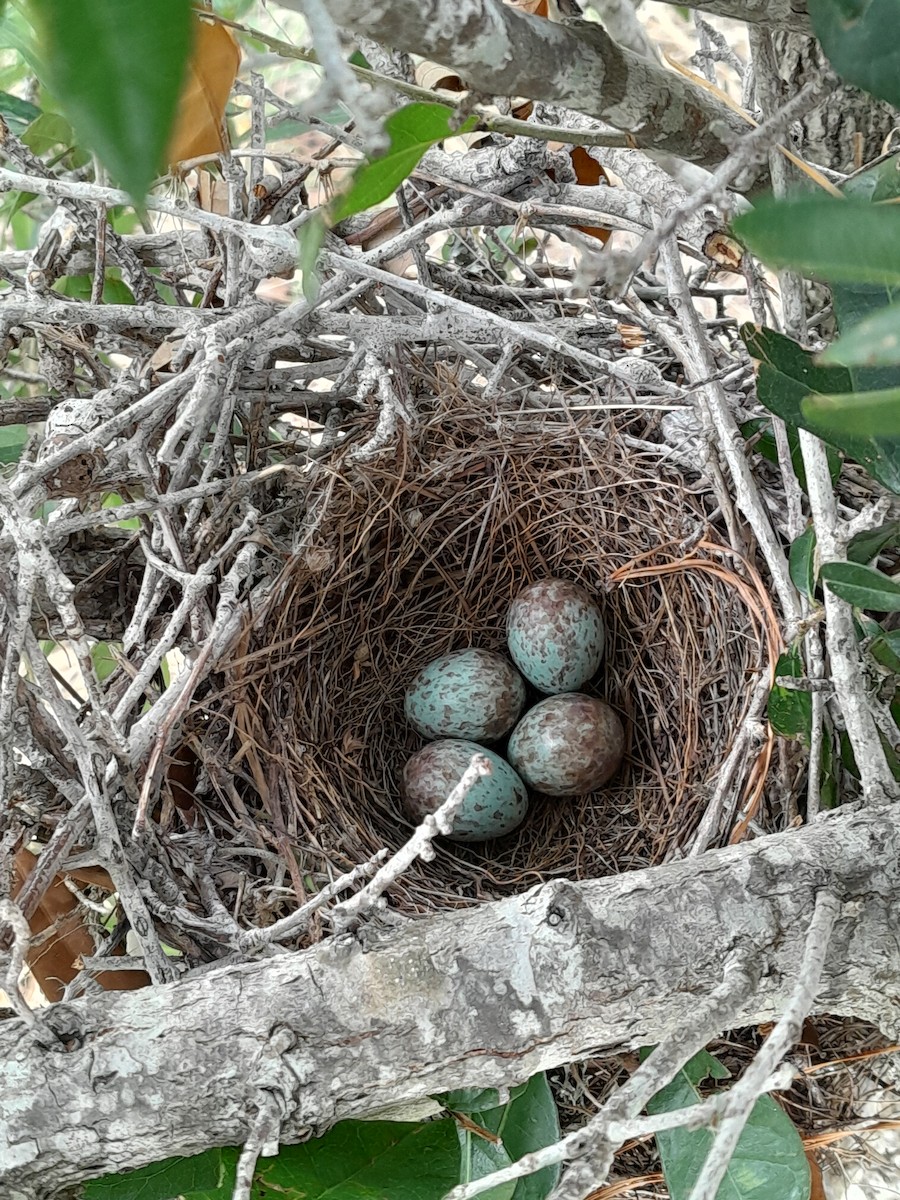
[{"x": 417, "y": 550}]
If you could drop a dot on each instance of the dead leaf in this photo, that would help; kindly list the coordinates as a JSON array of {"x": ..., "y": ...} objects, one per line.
[
  {"x": 54, "y": 959},
  {"x": 200, "y": 124}
]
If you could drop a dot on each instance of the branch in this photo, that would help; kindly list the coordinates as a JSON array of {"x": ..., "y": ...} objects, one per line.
[
  {"x": 482, "y": 997},
  {"x": 780, "y": 14},
  {"x": 500, "y": 51}
]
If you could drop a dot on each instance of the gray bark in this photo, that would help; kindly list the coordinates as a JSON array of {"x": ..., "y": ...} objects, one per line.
[
  {"x": 481, "y": 997},
  {"x": 502, "y": 52}
]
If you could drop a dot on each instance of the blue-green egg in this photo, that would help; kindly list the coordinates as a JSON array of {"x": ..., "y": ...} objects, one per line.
[
  {"x": 473, "y": 694},
  {"x": 555, "y": 635},
  {"x": 495, "y": 806}
]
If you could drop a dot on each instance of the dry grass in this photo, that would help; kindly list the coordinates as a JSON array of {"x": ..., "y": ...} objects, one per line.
[{"x": 420, "y": 551}]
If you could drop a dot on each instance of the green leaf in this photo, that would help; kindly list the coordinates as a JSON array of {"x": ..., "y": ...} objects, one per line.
[
  {"x": 885, "y": 649},
  {"x": 17, "y": 113},
  {"x": 480, "y": 1100},
  {"x": 12, "y": 442},
  {"x": 875, "y": 341},
  {"x": 769, "y": 1162},
  {"x": 479, "y": 1157},
  {"x": 412, "y": 130},
  {"x": 117, "y": 66},
  {"x": 104, "y": 660},
  {"x": 533, "y": 1122},
  {"x": 802, "y": 564},
  {"x": 765, "y": 444},
  {"x": 790, "y": 711},
  {"x": 16, "y": 34},
  {"x": 788, "y": 375},
  {"x": 365, "y": 1160},
  {"x": 860, "y": 39},
  {"x": 210, "y": 1173},
  {"x": 868, "y": 545},
  {"x": 863, "y": 587},
  {"x": 826, "y": 238},
  {"x": 114, "y": 500},
  {"x": 870, "y": 414},
  {"x": 829, "y": 796},
  {"x": 48, "y": 131},
  {"x": 529, "y": 1121},
  {"x": 78, "y": 287},
  {"x": 310, "y": 239}
]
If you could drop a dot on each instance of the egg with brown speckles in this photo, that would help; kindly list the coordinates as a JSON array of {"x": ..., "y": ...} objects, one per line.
[
  {"x": 470, "y": 694},
  {"x": 495, "y": 805},
  {"x": 555, "y": 634},
  {"x": 567, "y": 745}
]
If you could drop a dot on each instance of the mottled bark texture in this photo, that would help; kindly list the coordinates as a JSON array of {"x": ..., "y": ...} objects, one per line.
[
  {"x": 502, "y": 52},
  {"x": 777, "y": 14},
  {"x": 480, "y": 997},
  {"x": 847, "y": 131}
]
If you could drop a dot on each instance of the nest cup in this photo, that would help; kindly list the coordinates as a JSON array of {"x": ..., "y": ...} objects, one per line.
[{"x": 418, "y": 551}]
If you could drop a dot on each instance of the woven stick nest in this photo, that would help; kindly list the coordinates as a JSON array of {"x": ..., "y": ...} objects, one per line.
[{"x": 419, "y": 550}]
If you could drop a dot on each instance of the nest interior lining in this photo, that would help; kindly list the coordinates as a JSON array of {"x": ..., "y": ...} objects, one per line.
[{"x": 420, "y": 551}]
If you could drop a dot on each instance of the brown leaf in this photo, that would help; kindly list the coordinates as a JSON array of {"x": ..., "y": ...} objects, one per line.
[
  {"x": 200, "y": 125},
  {"x": 54, "y": 960}
]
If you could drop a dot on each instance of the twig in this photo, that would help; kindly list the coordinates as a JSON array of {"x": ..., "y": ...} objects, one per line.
[
  {"x": 742, "y": 1097},
  {"x": 271, "y": 246},
  {"x": 296, "y": 923},
  {"x": 419, "y": 846},
  {"x": 699, "y": 364},
  {"x": 11, "y": 915}
]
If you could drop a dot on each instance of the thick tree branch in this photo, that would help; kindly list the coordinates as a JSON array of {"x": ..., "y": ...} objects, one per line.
[
  {"x": 475, "y": 998},
  {"x": 779, "y": 14},
  {"x": 500, "y": 51}
]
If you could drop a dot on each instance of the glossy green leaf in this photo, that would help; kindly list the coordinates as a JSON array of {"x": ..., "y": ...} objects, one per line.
[
  {"x": 875, "y": 341},
  {"x": 12, "y": 442},
  {"x": 861, "y": 586},
  {"x": 529, "y": 1121},
  {"x": 860, "y": 39},
  {"x": 802, "y": 562},
  {"x": 790, "y": 711},
  {"x": 412, "y": 130},
  {"x": 769, "y": 1162},
  {"x": 788, "y": 375},
  {"x": 366, "y": 1160},
  {"x": 826, "y": 238},
  {"x": 865, "y": 546},
  {"x": 210, "y": 1174},
  {"x": 116, "y": 67}
]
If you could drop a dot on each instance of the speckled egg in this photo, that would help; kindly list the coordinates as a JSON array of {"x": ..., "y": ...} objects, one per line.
[
  {"x": 555, "y": 635},
  {"x": 496, "y": 805},
  {"x": 567, "y": 745},
  {"x": 474, "y": 694}
]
